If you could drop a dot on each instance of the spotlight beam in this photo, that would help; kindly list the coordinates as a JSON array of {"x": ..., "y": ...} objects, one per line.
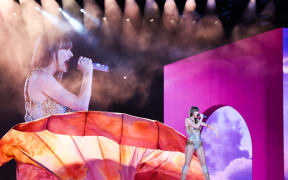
[
  {"x": 49, "y": 16},
  {"x": 92, "y": 18},
  {"x": 74, "y": 23}
]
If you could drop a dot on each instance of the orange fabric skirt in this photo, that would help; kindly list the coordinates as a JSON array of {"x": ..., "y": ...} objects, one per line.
[{"x": 96, "y": 145}]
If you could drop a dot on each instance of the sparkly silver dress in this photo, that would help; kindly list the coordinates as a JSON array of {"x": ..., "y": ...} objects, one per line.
[
  {"x": 194, "y": 136},
  {"x": 36, "y": 110}
]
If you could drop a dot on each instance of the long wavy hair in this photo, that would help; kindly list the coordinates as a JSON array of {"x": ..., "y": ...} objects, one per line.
[
  {"x": 46, "y": 49},
  {"x": 191, "y": 112}
]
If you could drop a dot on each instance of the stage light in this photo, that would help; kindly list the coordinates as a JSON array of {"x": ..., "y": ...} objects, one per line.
[
  {"x": 211, "y": 3},
  {"x": 52, "y": 18},
  {"x": 170, "y": 15},
  {"x": 49, "y": 16},
  {"x": 75, "y": 24},
  {"x": 37, "y": 9},
  {"x": 151, "y": 10},
  {"x": 91, "y": 17},
  {"x": 252, "y": 4},
  {"x": 190, "y": 5},
  {"x": 83, "y": 11},
  {"x": 113, "y": 11},
  {"x": 125, "y": 77},
  {"x": 95, "y": 20}
]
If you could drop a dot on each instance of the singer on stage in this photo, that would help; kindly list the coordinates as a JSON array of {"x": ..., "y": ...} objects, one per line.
[
  {"x": 43, "y": 93},
  {"x": 193, "y": 127}
]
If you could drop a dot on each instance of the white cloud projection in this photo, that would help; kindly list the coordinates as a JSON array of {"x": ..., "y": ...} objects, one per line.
[
  {"x": 228, "y": 157},
  {"x": 238, "y": 169}
]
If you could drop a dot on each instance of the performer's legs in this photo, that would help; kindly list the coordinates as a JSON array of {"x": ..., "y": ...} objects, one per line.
[
  {"x": 189, "y": 150},
  {"x": 201, "y": 156}
]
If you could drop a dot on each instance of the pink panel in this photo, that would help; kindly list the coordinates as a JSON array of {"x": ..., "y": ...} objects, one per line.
[{"x": 246, "y": 75}]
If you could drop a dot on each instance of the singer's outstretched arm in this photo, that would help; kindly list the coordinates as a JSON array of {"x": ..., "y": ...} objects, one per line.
[{"x": 211, "y": 127}]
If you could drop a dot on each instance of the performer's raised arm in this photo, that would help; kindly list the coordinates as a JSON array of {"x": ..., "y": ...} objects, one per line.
[{"x": 44, "y": 95}]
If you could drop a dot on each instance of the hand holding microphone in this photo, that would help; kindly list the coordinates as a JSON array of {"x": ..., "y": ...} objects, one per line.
[
  {"x": 201, "y": 116},
  {"x": 84, "y": 64}
]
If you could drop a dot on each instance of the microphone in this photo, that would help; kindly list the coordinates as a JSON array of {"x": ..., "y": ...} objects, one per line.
[
  {"x": 100, "y": 67},
  {"x": 204, "y": 116},
  {"x": 96, "y": 66}
]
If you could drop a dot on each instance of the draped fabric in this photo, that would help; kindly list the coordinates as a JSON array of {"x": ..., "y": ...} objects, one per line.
[{"x": 96, "y": 145}]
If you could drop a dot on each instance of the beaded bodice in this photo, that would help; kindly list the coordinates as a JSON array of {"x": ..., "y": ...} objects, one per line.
[
  {"x": 36, "y": 110},
  {"x": 194, "y": 133}
]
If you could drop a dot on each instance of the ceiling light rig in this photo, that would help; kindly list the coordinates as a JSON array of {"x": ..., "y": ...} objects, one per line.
[{"x": 224, "y": 11}]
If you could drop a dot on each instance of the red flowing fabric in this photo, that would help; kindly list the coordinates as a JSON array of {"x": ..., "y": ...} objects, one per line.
[{"x": 96, "y": 145}]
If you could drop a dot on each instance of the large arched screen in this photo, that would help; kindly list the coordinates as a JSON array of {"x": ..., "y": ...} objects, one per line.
[{"x": 230, "y": 155}]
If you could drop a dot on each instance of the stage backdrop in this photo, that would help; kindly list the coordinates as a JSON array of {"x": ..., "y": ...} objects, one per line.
[{"x": 246, "y": 76}]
